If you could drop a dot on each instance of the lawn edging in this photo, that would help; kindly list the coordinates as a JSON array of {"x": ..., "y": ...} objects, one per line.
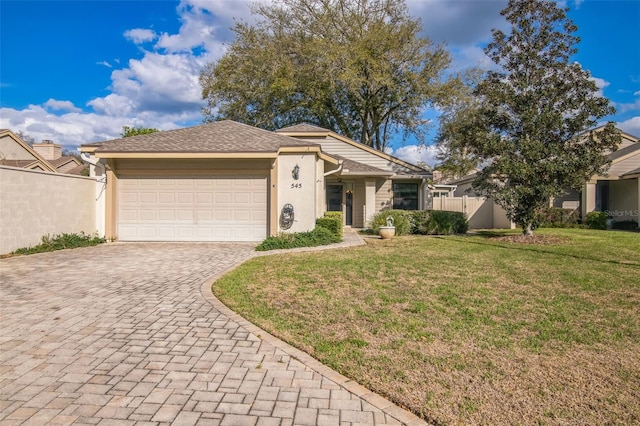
[{"x": 379, "y": 402}]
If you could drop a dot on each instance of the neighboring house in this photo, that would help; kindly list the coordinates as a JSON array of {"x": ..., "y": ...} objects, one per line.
[
  {"x": 617, "y": 192},
  {"x": 62, "y": 163},
  {"x": 226, "y": 181},
  {"x": 15, "y": 152},
  {"x": 45, "y": 156}
]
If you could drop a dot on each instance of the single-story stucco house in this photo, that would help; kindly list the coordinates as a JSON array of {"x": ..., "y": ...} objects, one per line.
[{"x": 227, "y": 181}]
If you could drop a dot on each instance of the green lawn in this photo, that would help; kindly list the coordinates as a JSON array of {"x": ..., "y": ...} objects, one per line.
[{"x": 465, "y": 329}]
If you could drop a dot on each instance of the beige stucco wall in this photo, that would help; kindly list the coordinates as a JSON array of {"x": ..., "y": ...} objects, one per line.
[
  {"x": 35, "y": 203},
  {"x": 11, "y": 150},
  {"x": 300, "y": 193},
  {"x": 321, "y": 197}
]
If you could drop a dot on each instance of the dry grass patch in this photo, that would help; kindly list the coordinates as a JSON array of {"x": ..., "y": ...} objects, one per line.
[{"x": 466, "y": 330}]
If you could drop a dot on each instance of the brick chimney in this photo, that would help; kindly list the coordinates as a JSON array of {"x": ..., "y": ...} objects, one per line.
[{"x": 48, "y": 150}]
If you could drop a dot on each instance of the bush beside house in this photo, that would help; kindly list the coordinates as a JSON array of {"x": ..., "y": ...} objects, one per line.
[
  {"x": 554, "y": 217},
  {"x": 328, "y": 230},
  {"x": 422, "y": 222},
  {"x": 596, "y": 220},
  {"x": 331, "y": 221}
]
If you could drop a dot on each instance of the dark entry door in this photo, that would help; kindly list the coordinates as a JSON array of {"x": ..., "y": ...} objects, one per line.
[{"x": 348, "y": 214}]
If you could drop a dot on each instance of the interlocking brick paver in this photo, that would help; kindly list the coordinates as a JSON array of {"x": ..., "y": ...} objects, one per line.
[{"x": 130, "y": 334}]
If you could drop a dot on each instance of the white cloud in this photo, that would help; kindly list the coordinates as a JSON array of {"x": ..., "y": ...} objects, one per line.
[
  {"x": 631, "y": 126},
  {"x": 55, "y": 104},
  {"x": 600, "y": 84},
  {"x": 140, "y": 35},
  {"x": 156, "y": 82},
  {"x": 105, "y": 63},
  {"x": 75, "y": 128},
  {"x": 460, "y": 23},
  {"x": 626, "y": 107},
  {"x": 417, "y": 154}
]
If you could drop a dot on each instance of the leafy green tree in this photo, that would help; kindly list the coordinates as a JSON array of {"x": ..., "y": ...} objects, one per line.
[
  {"x": 457, "y": 128},
  {"x": 533, "y": 126},
  {"x": 358, "y": 67},
  {"x": 135, "y": 131}
]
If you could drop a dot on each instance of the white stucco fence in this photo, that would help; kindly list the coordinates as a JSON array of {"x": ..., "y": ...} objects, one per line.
[{"x": 35, "y": 203}]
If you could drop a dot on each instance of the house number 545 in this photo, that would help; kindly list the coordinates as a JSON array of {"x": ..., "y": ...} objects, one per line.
[{"x": 296, "y": 185}]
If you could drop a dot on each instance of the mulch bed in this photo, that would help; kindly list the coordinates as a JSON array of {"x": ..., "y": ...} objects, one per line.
[{"x": 533, "y": 239}]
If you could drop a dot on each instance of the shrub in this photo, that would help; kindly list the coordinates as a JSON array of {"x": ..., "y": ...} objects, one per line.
[
  {"x": 626, "y": 225},
  {"x": 331, "y": 222},
  {"x": 553, "y": 217},
  {"x": 401, "y": 220},
  {"x": 318, "y": 237},
  {"x": 60, "y": 242},
  {"x": 596, "y": 220},
  {"x": 334, "y": 214},
  {"x": 419, "y": 222},
  {"x": 445, "y": 222}
]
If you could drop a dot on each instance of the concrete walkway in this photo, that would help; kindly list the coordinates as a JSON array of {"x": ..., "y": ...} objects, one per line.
[{"x": 130, "y": 334}]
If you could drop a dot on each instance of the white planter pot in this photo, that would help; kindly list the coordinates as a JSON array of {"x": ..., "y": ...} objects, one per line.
[{"x": 387, "y": 232}]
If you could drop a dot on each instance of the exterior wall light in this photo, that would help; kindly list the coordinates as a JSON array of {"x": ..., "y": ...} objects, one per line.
[{"x": 296, "y": 172}]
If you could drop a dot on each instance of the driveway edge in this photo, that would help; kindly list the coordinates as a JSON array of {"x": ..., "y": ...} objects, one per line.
[{"x": 379, "y": 402}]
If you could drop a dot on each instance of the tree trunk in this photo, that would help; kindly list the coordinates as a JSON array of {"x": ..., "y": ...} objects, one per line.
[{"x": 528, "y": 231}]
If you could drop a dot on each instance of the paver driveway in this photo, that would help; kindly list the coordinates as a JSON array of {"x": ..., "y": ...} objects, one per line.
[{"x": 121, "y": 334}]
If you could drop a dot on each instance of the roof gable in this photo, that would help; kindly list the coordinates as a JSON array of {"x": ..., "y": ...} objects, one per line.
[
  {"x": 16, "y": 147},
  {"x": 303, "y": 128},
  {"x": 327, "y": 137}
]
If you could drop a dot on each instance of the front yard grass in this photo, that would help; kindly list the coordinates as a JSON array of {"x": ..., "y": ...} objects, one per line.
[{"x": 465, "y": 329}]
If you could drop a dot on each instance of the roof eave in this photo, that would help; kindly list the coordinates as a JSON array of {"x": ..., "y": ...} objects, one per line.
[
  {"x": 187, "y": 155},
  {"x": 381, "y": 173}
]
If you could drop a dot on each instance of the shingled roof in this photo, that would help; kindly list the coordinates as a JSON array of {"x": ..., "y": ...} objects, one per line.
[
  {"x": 217, "y": 137},
  {"x": 624, "y": 151},
  {"x": 303, "y": 128}
]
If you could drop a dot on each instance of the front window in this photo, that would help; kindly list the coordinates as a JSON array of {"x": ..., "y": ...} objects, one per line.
[
  {"x": 405, "y": 196},
  {"x": 334, "y": 198},
  {"x": 438, "y": 194}
]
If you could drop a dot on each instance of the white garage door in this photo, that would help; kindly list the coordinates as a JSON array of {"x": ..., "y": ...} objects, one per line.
[{"x": 209, "y": 209}]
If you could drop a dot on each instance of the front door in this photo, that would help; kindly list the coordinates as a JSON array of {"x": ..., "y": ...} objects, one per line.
[{"x": 348, "y": 214}]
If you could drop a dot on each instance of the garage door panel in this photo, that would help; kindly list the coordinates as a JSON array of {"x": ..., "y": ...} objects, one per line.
[
  {"x": 166, "y": 197},
  {"x": 148, "y": 197},
  {"x": 166, "y": 214},
  {"x": 211, "y": 209},
  {"x": 184, "y": 198},
  {"x": 129, "y": 214},
  {"x": 184, "y": 215},
  {"x": 204, "y": 197},
  {"x": 223, "y": 198},
  {"x": 147, "y": 215},
  {"x": 204, "y": 215}
]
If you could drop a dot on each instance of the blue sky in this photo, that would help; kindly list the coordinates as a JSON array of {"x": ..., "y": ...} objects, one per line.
[{"x": 77, "y": 71}]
